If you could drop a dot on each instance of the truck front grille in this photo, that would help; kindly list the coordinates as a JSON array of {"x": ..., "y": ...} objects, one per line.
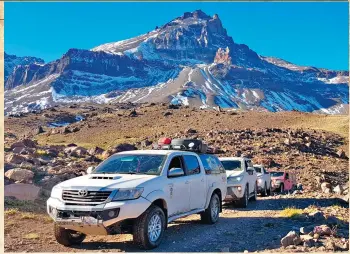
[{"x": 91, "y": 198}]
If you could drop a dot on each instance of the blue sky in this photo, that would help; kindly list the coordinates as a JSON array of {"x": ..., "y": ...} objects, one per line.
[{"x": 313, "y": 34}]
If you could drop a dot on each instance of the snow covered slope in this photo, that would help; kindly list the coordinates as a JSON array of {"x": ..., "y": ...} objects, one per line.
[{"x": 190, "y": 60}]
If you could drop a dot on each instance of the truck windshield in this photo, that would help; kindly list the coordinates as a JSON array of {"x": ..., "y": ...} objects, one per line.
[
  {"x": 232, "y": 165},
  {"x": 257, "y": 169},
  {"x": 148, "y": 164},
  {"x": 276, "y": 174}
]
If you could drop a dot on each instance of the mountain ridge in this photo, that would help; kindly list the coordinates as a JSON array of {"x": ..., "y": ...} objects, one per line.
[{"x": 190, "y": 60}]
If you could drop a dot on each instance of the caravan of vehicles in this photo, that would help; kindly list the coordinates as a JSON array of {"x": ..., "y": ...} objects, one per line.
[{"x": 141, "y": 191}]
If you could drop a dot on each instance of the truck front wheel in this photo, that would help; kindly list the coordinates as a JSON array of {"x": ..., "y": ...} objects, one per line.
[
  {"x": 149, "y": 228},
  {"x": 211, "y": 214},
  {"x": 243, "y": 202},
  {"x": 68, "y": 237}
]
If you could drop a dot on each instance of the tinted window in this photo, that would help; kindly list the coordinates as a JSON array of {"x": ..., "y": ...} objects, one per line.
[
  {"x": 192, "y": 164},
  {"x": 287, "y": 176},
  {"x": 276, "y": 174},
  {"x": 265, "y": 171},
  {"x": 132, "y": 164},
  {"x": 257, "y": 169},
  {"x": 211, "y": 163},
  {"x": 232, "y": 165}
]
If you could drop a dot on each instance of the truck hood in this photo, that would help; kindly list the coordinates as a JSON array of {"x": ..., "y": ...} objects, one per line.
[
  {"x": 234, "y": 173},
  {"x": 116, "y": 181},
  {"x": 259, "y": 175}
]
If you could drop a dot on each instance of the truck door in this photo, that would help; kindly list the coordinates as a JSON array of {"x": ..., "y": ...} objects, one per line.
[
  {"x": 197, "y": 182},
  {"x": 178, "y": 189}
]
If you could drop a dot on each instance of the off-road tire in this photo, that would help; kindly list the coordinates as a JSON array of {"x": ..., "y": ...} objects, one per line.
[
  {"x": 281, "y": 188},
  {"x": 269, "y": 191},
  {"x": 264, "y": 192},
  {"x": 65, "y": 236},
  {"x": 140, "y": 228},
  {"x": 243, "y": 202},
  {"x": 254, "y": 198},
  {"x": 207, "y": 216}
]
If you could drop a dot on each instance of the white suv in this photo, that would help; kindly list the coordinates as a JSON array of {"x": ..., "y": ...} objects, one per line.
[
  {"x": 264, "y": 180},
  {"x": 241, "y": 180},
  {"x": 138, "y": 192}
]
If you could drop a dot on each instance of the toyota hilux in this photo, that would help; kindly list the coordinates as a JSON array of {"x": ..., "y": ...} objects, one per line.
[{"x": 139, "y": 192}]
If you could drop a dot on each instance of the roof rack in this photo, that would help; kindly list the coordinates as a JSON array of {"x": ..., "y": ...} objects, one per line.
[{"x": 190, "y": 145}]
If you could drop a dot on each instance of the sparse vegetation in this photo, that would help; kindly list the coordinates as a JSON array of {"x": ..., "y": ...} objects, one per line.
[
  {"x": 291, "y": 212},
  {"x": 31, "y": 236}
]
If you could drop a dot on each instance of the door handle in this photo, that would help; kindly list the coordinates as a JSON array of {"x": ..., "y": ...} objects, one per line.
[
  {"x": 187, "y": 182},
  {"x": 202, "y": 180}
]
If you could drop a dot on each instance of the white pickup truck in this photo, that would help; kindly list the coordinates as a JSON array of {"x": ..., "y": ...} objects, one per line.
[
  {"x": 264, "y": 180},
  {"x": 241, "y": 180},
  {"x": 138, "y": 192}
]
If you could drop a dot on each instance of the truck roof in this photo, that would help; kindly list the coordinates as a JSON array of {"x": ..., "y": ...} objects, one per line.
[
  {"x": 231, "y": 158},
  {"x": 258, "y": 166}
]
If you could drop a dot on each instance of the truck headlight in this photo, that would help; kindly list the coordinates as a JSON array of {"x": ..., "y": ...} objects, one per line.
[
  {"x": 260, "y": 180},
  {"x": 127, "y": 194},
  {"x": 234, "y": 179},
  {"x": 277, "y": 182},
  {"x": 56, "y": 192}
]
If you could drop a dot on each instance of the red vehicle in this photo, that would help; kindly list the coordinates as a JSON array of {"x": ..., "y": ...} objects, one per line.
[{"x": 282, "y": 181}]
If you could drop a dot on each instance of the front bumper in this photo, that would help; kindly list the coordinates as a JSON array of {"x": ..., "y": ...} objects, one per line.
[
  {"x": 275, "y": 186},
  {"x": 234, "y": 192},
  {"x": 95, "y": 219}
]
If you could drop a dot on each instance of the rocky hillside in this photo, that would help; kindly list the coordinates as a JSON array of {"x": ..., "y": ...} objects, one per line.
[
  {"x": 14, "y": 63},
  {"x": 190, "y": 61}
]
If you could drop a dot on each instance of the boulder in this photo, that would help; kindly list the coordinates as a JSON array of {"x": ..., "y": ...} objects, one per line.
[
  {"x": 22, "y": 191},
  {"x": 27, "y": 165},
  {"x": 341, "y": 154},
  {"x": 190, "y": 131},
  {"x": 306, "y": 230},
  {"x": 124, "y": 147},
  {"x": 107, "y": 154},
  {"x": 95, "y": 151},
  {"x": 15, "y": 159},
  {"x": 332, "y": 220},
  {"x": 24, "y": 143},
  {"x": 292, "y": 238},
  {"x": 338, "y": 189},
  {"x": 39, "y": 130},
  {"x": 19, "y": 174},
  {"x": 326, "y": 187},
  {"x": 317, "y": 216},
  {"x": 322, "y": 230}
]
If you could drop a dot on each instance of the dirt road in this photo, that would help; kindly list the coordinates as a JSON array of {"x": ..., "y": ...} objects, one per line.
[{"x": 256, "y": 228}]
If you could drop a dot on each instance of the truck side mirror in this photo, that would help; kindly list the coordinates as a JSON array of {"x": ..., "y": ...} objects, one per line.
[
  {"x": 90, "y": 169},
  {"x": 175, "y": 172}
]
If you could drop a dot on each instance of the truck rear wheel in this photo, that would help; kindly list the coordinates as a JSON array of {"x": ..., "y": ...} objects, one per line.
[
  {"x": 68, "y": 237},
  {"x": 148, "y": 229},
  {"x": 211, "y": 214}
]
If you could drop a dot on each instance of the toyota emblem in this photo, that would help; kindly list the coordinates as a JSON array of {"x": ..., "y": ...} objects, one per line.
[{"x": 82, "y": 193}]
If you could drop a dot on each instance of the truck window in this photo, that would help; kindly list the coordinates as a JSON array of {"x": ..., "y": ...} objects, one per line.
[
  {"x": 212, "y": 164},
  {"x": 232, "y": 165},
  {"x": 192, "y": 164},
  {"x": 257, "y": 169},
  {"x": 175, "y": 163}
]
